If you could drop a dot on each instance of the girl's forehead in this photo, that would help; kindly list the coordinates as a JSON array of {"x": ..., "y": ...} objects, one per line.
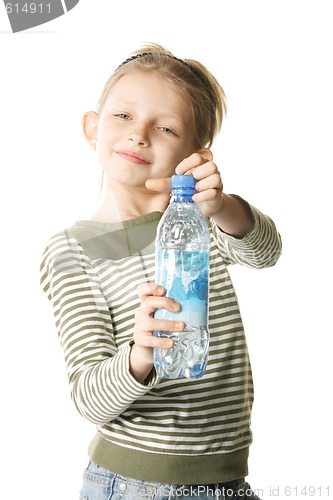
[
  {"x": 146, "y": 81},
  {"x": 149, "y": 87}
]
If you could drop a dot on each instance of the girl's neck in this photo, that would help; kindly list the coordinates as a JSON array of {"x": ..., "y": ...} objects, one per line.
[{"x": 120, "y": 203}]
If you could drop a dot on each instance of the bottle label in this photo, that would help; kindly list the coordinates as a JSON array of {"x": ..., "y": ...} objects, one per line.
[{"x": 184, "y": 275}]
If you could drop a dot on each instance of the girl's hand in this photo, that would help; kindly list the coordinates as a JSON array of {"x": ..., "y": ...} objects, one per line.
[
  {"x": 209, "y": 185},
  {"x": 151, "y": 298}
]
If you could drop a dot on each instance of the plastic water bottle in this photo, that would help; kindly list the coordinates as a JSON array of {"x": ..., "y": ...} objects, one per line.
[{"x": 182, "y": 266}]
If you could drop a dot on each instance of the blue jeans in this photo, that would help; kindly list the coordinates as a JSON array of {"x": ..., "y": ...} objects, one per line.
[{"x": 100, "y": 484}]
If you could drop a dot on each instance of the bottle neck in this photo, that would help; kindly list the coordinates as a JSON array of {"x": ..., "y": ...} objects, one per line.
[{"x": 182, "y": 194}]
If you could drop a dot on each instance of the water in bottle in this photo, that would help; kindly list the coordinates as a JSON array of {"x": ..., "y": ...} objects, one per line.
[{"x": 182, "y": 266}]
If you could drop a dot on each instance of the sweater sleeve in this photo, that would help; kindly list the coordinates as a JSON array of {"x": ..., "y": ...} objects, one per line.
[
  {"x": 101, "y": 384},
  {"x": 258, "y": 249}
]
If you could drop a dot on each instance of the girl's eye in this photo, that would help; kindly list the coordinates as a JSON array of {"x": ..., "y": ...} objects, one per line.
[
  {"x": 123, "y": 116},
  {"x": 167, "y": 130}
]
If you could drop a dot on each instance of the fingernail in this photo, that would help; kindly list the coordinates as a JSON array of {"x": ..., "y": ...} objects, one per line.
[
  {"x": 169, "y": 343},
  {"x": 160, "y": 289}
]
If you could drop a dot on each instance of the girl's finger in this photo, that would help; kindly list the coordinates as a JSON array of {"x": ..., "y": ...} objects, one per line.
[
  {"x": 189, "y": 163},
  {"x": 206, "y": 153},
  {"x": 162, "y": 185},
  {"x": 164, "y": 325},
  {"x": 152, "y": 303},
  {"x": 205, "y": 170},
  {"x": 208, "y": 195},
  {"x": 151, "y": 341},
  {"x": 211, "y": 182},
  {"x": 146, "y": 289}
]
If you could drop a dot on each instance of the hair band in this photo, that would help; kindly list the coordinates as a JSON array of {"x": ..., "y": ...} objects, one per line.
[{"x": 184, "y": 63}]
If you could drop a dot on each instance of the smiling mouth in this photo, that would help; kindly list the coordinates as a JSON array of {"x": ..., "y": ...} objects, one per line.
[{"x": 133, "y": 157}]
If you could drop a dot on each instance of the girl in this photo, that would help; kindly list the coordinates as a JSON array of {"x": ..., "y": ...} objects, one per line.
[{"x": 160, "y": 439}]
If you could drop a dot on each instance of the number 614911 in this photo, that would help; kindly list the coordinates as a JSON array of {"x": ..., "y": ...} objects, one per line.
[{"x": 28, "y": 8}]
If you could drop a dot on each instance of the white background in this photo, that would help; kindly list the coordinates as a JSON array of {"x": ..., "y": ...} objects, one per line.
[{"x": 274, "y": 60}]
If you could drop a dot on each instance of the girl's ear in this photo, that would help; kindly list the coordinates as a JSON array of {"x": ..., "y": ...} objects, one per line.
[
  {"x": 206, "y": 153},
  {"x": 90, "y": 127}
]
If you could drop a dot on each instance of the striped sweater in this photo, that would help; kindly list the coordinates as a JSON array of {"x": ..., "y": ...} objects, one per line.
[{"x": 170, "y": 431}]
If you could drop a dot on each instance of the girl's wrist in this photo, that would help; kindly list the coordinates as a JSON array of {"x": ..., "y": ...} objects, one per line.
[
  {"x": 140, "y": 365},
  {"x": 232, "y": 218}
]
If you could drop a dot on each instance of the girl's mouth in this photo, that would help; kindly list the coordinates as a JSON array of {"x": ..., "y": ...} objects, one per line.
[{"x": 133, "y": 157}]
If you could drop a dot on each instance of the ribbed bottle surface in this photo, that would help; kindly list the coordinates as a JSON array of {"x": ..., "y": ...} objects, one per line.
[{"x": 182, "y": 264}]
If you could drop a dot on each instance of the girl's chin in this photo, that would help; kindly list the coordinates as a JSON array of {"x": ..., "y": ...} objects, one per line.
[{"x": 127, "y": 180}]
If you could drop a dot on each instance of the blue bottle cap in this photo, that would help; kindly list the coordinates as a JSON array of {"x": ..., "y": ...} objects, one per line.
[{"x": 183, "y": 181}]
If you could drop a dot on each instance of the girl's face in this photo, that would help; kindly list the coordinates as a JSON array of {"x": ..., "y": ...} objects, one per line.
[{"x": 144, "y": 130}]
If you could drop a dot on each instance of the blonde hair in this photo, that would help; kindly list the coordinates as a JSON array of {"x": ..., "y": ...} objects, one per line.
[{"x": 191, "y": 78}]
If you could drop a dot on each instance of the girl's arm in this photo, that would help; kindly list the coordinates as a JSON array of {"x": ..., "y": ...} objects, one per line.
[
  {"x": 105, "y": 378},
  {"x": 259, "y": 248},
  {"x": 243, "y": 234},
  {"x": 234, "y": 218}
]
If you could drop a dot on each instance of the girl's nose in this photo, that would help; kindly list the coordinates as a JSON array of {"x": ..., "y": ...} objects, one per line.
[{"x": 139, "y": 136}]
